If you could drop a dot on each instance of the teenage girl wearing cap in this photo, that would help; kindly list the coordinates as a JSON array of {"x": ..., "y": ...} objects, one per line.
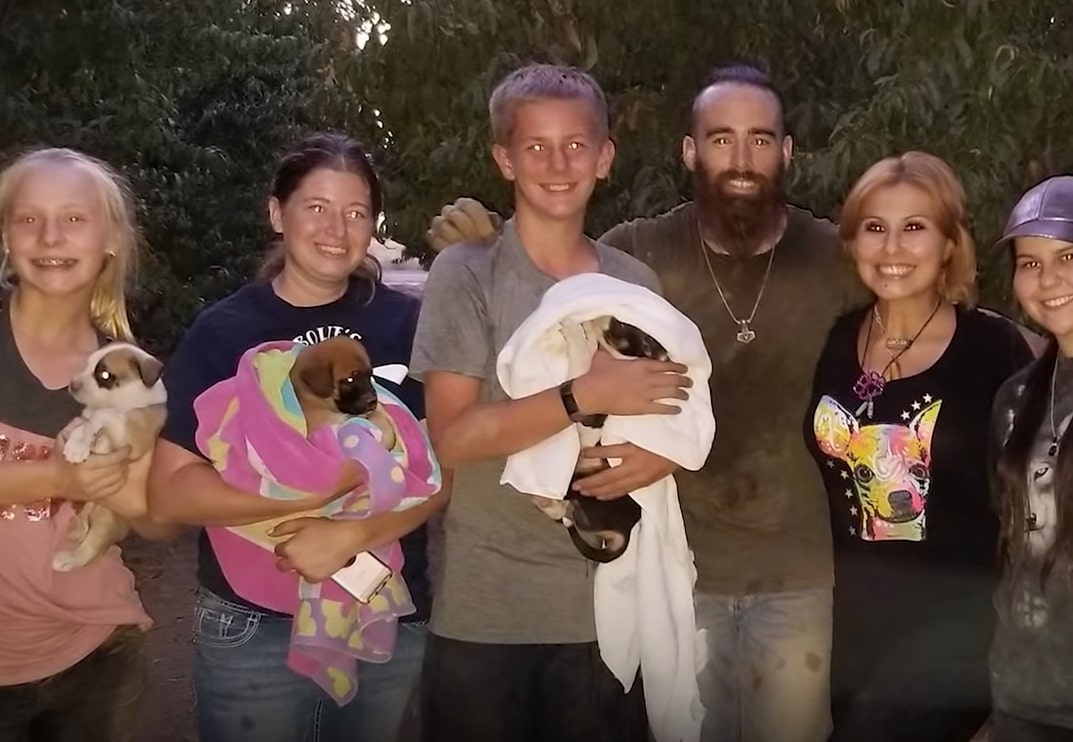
[
  {"x": 898, "y": 425},
  {"x": 1032, "y": 655}
]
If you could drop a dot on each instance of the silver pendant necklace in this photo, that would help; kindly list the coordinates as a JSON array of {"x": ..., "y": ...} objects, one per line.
[
  {"x": 746, "y": 334},
  {"x": 893, "y": 344}
]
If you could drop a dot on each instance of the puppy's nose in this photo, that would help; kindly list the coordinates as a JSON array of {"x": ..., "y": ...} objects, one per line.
[{"x": 74, "y": 386}]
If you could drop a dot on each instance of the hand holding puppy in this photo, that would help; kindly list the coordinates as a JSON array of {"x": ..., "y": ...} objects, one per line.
[
  {"x": 131, "y": 501},
  {"x": 630, "y": 387},
  {"x": 350, "y": 478},
  {"x": 317, "y": 548},
  {"x": 99, "y": 476},
  {"x": 639, "y": 469}
]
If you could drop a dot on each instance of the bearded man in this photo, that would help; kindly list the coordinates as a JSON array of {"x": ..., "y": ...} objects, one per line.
[{"x": 764, "y": 281}]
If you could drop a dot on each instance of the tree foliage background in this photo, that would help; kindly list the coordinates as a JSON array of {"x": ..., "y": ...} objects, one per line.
[{"x": 194, "y": 100}]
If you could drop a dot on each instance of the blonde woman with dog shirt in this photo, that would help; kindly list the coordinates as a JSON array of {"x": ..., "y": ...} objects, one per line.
[
  {"x": 1032, "y": 654},
  {"x": 898, "y": 427},
  {"x": 71, "y": 657},
  {"x": 317, "y": 284}
]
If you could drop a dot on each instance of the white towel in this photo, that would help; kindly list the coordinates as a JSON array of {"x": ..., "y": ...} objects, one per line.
[{"x": 644, "y": 599}]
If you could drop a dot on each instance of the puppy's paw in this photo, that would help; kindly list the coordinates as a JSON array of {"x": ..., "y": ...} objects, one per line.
[
  {"x": 71, "y": 559},
  {"x": 79, "y": 445},
  {"x": 554, "y": 509},
  {"x": 84, "y": 543}
]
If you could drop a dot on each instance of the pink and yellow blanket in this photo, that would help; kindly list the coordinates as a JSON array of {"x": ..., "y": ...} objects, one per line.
[{"x": 251, "y": 428}]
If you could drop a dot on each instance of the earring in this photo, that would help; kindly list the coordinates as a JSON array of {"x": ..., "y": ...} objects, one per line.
[{"x": 110, "y": 253}]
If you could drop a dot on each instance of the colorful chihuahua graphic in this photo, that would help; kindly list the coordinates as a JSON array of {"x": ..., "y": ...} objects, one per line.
[{"x": 890, "y": 465}]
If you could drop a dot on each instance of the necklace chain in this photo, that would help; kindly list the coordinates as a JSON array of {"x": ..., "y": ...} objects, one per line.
[
  {"x": 871, "y": 383},
  {"x": 1053, "y": 448},
  {"x": 890, "y": 342},
  {"x": 745, "y": 333}
]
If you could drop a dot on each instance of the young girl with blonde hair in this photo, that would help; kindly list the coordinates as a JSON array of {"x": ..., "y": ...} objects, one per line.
[{"x": 71, "y": 649}]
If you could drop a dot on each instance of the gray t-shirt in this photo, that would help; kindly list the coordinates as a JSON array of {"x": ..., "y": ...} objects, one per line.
[
  {"x": 509, "y": 574},
  {"x": 1032, "y": 652}
]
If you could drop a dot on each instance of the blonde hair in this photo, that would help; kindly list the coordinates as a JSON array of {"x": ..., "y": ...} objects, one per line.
[
  {"x": 957, "y": 282},
  {"x": 543, "y": 82},
  {"x": 108, "y": 303}
]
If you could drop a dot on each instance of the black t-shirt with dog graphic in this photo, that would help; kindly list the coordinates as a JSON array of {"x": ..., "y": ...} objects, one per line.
[
  {"x": 914, "y": 532},
  {"x": 210, "y": 351}
]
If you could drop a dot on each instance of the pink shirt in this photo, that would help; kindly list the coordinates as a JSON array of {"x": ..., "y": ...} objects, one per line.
[{"x": 52, "y": 620}]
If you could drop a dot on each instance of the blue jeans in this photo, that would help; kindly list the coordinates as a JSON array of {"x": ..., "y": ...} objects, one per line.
[
  {"x": 767, "y": 677},
  {"x": 245, "y": 691}
]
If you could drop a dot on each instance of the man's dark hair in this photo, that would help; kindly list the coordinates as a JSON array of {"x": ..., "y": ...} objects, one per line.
[{"x": 741, "y": 74}]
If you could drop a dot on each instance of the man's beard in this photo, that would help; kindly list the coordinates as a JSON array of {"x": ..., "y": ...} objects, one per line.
[{"x": 739, "y": 224}]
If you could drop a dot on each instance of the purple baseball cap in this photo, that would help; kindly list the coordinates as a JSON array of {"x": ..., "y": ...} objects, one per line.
[{"x": 1045, "y": 210}]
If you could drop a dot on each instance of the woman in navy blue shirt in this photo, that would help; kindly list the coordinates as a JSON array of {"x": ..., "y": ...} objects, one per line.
[{"x": 318, "y": 283}]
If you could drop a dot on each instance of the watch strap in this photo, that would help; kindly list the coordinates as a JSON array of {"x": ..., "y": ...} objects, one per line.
[{"x": 566, "y": 394}]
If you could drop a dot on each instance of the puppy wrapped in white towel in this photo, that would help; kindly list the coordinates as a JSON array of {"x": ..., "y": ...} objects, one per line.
[{"x": 644, "y": 599}]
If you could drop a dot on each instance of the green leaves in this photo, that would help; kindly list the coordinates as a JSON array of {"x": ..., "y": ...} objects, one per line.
[
  {"x": 983, "y": 84},
  {"x": 194, "y": 100}
]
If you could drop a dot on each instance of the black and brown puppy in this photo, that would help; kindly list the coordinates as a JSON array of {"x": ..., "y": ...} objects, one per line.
[
  {"x": 600, "y": 529},
  {"x": 333, "y": 381}
]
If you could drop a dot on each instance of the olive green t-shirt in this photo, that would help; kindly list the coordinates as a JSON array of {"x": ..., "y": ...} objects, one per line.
[
  {"x": 756, "y": 513},
  {"x": 510, "y": 574}
]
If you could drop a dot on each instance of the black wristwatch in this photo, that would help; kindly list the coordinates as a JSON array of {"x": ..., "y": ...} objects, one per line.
[{"x": 566, "y": 394}]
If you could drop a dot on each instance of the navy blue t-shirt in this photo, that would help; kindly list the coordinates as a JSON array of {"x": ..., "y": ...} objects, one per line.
[{"x": 210, "y": 352}]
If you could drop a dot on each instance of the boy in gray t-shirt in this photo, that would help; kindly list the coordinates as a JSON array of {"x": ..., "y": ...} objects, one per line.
[{"x": 513, "y": 654}]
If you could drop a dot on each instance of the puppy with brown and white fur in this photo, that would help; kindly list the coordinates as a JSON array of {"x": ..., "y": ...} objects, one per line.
[
  {"x": 333, "y": 381},
  {"x": 124, "y": 406}
]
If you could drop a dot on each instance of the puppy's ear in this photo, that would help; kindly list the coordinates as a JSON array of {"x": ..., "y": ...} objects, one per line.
[
  {"x": 320, "y": 380},
  {"x": 148, "y": 369}
]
